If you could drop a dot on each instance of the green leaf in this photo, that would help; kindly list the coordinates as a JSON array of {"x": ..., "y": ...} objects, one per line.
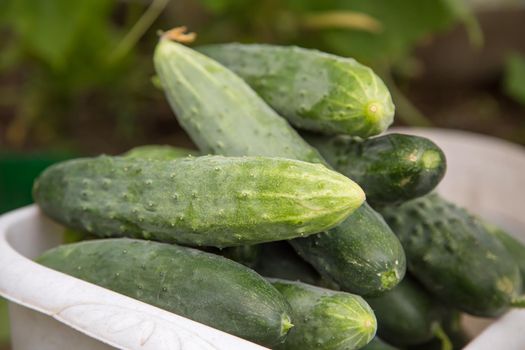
[
  {"x": 514, "y": 77},
  {"x": 404, "y": 22},
  {"x": 51, "y": 29}
]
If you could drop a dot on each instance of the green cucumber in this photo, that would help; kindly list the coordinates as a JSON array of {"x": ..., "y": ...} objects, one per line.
[
  {"x": 219, "y": 111},
  {"x": 212, "y": 200},
  {"x": 391, "y": 169},
  {"x": 407, "y": 314},
  {"x": 515, "y": 248},
  {"x": 455, "y": 257},
  {"x": 223, "y": 115},
  {"x": 452, "y": 330},
  {"x": 159, "y": 152},
  {"x": 378, "y": 344},
  {"x": 279, "y": 260},
  {"x": 248, "y": 255},
  {"x": 312, "y": 89},
  {"x": 362, "y": 247},
  {"x": 325, "y": 319},
  {"x": 201, "y": 286}
]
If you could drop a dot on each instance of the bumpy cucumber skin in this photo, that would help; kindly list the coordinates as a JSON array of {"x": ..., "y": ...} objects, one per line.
[
  {"x": 325, "y": 319},
  {"x": 159, "y": 152},
  {"x": 364, "y": 244},
  {"x": 194, "y": 284},
  {"x": 211, "y": 200},
  {"x": 251, "y": 128},
  {"x": 454, "y": 256},
  {"x": 515, "y": 248},
  {"x": 392, "y": 169},
  {"x": 312, "y": 89},
  {"x": 407, "y": 314},
  {"x": 378, "y": 344},
  {"x": 200, "y": 90}
]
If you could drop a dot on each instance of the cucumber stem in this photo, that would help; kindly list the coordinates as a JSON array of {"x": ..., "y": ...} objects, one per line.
[
  {"x": 518, "y": 302},
  {"x": 179, "y": 35},
  {"x": 439, "y": 333}
]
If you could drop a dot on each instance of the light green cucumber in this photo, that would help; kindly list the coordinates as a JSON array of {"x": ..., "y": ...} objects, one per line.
[
  {"x": 223, "y": 115},
  {"x": 312, "y": 89},
  {"x": 211, "y": 200},
  {"x": 159, "y": 152},
  {"x": 220, "y": 112},
  {"x": 325, "y": 319},
  {"x": 201, "y": 286}
]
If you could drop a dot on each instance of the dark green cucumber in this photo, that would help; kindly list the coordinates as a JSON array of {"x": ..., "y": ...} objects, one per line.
[
  {"x": 159, "y": 152},
  {"x": 201, "y": 286},
  {"x": 407, "y": 314},
  {"x": 312, "y": 89},
  {"x": 248, "y": 255},
  {"x": 455, "y": 257},
  {"x": 360, "y": 248},
  {"x": 223, "y": 115},
  {"x": 279, "y": 260},
  {"x": 452, "y": 330},
  {"x": 515, "y": 248},
  {"x": 391, "y": 169},
  {"x": 378, "y": 344},
  {"x": 325, "y": 319},
  {"x": 212, "y": 200}
]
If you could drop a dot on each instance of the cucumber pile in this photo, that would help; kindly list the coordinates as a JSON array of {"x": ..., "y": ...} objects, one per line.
[{"x": 267, "y": 235}]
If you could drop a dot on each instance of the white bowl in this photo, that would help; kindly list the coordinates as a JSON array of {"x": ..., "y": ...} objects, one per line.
[{"x": 50, "y": 310}]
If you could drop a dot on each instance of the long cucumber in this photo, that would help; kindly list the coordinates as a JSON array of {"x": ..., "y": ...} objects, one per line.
[
  {"x": 312, "y": 89},
  {"x": 210, "y": 200},
  {"x": 201, "y": 286}
]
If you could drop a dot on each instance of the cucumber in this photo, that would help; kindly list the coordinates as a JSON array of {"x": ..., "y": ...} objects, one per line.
[
  {"x": 391, "y": 169},
  {"x": 454, "y": 256},
  {"x": 219, "y": 111},
  {"x": 201, "y": 286},
  {"x": 248, "y": 255},
  {"x": 223, "y": 115},
  {"x": 212, "y": 200},
  {"x": 452, "y": 330},
  {"x": 407, "y": 314},
  {"x": 378, "y": 344},
  {"x": 349, "y": 253},
  {"x": 159, "y": 152},
  {"x": 279, "y": 260},
  {"x": 325, "y": 319},
  {"x": 312, "y": 89},
  {"x": 515, "y": 248}
]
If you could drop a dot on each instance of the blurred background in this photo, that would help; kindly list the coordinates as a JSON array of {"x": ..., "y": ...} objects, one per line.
[{"x": 76, "y": 76}]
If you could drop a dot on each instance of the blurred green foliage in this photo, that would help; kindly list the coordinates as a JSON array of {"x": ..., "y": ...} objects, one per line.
[
  {"x": 402, "y": 24},
  {"x": 61, "y": 53},
  {"x": 65, "y": 59},
  {"x": 514, "y": 78}
]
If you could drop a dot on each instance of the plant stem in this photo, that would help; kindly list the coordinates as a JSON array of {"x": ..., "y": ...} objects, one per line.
[{"x": 138, "y": 30}]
